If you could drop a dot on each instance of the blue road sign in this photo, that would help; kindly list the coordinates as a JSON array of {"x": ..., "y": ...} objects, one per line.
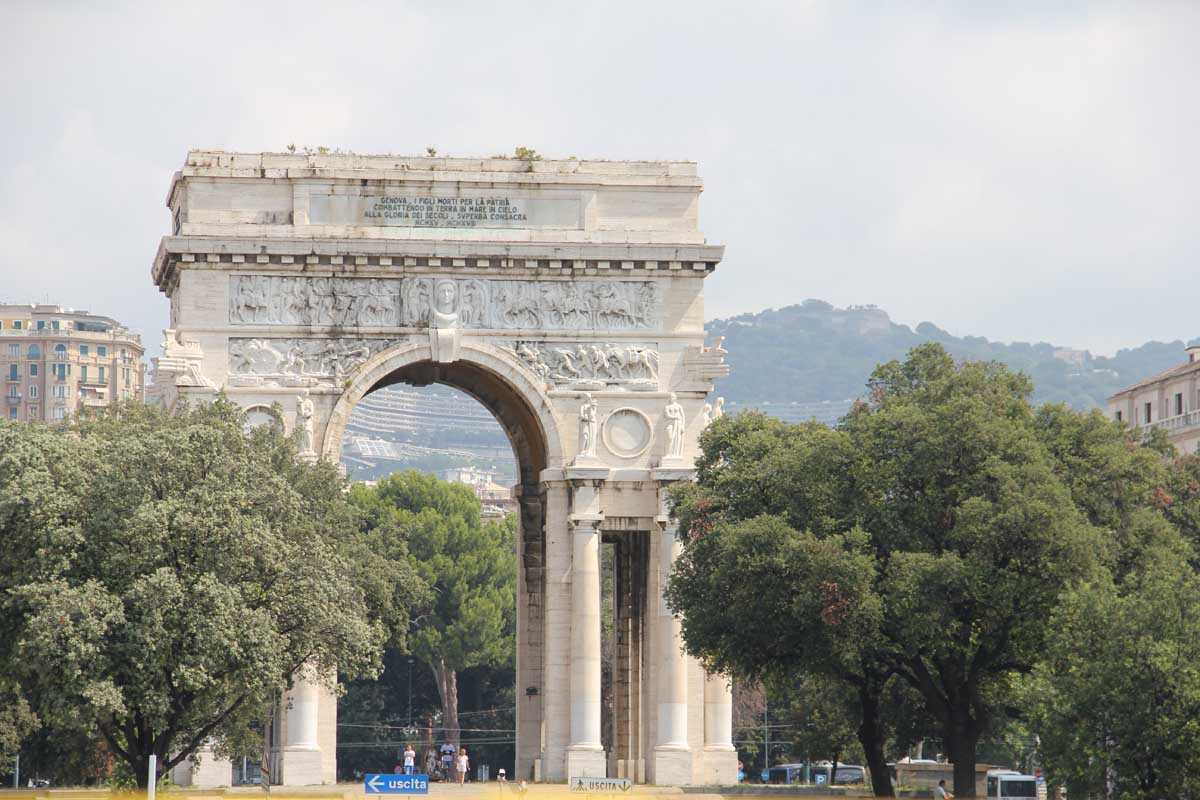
[{"x": 396, "y": 784}]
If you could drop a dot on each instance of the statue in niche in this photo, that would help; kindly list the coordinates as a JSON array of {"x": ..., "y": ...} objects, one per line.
[
  {"x": 304, "y": 424},
  {"x": 719, "y": 408},
  {"x": 675, "y": 427},
  {"x": 589, "y": 421},
  {"x": 443, "y": 329}
]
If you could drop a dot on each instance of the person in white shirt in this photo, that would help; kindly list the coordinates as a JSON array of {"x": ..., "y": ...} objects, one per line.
[
  {"x": 410, "y": 759},
  {"x": 461, "y": 762},
  {"x": 940, "y": 792}
]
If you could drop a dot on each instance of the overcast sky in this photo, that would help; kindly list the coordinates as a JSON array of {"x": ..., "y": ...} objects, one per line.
[{"x": 1019, "y": 173}]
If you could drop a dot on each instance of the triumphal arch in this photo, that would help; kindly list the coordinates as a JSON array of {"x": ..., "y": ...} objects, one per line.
[{"x": 567, "y": 297}]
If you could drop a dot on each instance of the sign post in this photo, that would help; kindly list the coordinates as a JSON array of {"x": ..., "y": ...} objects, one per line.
[
  {"x": 376, "y": 783},
  {"x": 606, "y": 786},
  {"x": 151, "y": 785}
]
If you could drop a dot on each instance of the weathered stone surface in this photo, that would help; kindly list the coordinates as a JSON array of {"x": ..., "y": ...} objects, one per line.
[{"x": 567, "y": 297}]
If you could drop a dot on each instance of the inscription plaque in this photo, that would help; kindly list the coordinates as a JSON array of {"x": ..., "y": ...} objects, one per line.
[{"x": 423, "y": 210}]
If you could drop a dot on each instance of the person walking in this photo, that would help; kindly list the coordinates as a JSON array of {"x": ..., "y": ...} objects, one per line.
[
  {"x": 940, "y": 792},
  {"x": 410, "y": 759},
  {"x": 461, "y": 762}
]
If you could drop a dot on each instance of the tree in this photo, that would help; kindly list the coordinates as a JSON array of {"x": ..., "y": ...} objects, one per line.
[
  {"x": 469, "y": 617},
  {"x": 1117, "y": 699},
  {"x": 169, "y": 576},
  {"x": 944, "y": 499}
]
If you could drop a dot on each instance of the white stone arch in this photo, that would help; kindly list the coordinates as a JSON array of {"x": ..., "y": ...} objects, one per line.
[{"x": 504, "y": 368}]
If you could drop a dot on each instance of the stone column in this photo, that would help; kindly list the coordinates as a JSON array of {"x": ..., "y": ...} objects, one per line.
[
  {"x": 585, "y": 753},
  {"x": 301, "y": 761},
  {"x": 720, "y": 756},
  {"x": 672, "y": 755}
]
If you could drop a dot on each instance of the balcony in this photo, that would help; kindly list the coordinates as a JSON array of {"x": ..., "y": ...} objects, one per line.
[
  {"x": 13, "y": 397},
  {"x": 1178, "y": 423}
]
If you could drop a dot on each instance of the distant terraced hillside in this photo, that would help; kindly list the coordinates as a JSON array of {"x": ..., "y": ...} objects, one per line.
[{"x": 812, "y": 360}]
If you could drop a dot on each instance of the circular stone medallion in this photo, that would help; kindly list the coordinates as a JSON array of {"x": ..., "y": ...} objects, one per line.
[{"x": 627, "y": 432}]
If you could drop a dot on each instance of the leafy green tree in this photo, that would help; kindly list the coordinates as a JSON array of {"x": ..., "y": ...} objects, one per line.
[
  {"x": 824, "y": 716},
  {"x": 946, "y": 537},
  {"x": 1117, "y": 699},
  {"x": 17, "y": 721},
  {"x": 469, "y": 617},
  {"x": 168, "y": 576}
]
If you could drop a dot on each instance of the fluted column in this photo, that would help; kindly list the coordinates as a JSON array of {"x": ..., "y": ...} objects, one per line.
[
  {"x": 672, "y": 662},
  {"x": 585, "y": 637},
  {"x": 301, "y": 758},
  {"x": 720, "y": 756},
  {"x": 718, "y": 712},
  {"x": 585, "y": 753}
]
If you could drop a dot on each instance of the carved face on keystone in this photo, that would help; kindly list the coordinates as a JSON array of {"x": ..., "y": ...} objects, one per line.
[{"x": 445, "y": 294}]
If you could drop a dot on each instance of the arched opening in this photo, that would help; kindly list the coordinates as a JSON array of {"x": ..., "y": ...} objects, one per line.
[{"x": 519, "y": 415}]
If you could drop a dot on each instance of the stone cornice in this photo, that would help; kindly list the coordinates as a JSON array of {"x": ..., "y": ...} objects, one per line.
[{"x": 301, "y": 254}]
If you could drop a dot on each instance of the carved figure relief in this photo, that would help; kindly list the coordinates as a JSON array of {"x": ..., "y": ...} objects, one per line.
[
  {"x": 675, "y": 427},
  {"x": 304, "y": 424},
  {"x": 719, "y": 409},
  {"x": 611, "y": 305},
  {"x": 443, "y": 329},
  {"x": 544, "y": 305},
  {"x": 589, "y": 417},
  {"x": 298, "y": 362},
  {"x": 303, "y": 300},
  {"x": 180, "y": 361},
  {"x": 575, "y": 365}
]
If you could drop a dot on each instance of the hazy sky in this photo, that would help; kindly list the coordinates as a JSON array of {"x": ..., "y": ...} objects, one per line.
[{"x": 1018, "y": 173}]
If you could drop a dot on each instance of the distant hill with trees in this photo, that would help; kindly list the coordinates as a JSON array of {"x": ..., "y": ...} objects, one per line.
[{"x": 797, "y": 360}]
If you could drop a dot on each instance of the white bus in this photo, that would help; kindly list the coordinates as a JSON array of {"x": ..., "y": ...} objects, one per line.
[{"x": 1007, "y": 784}]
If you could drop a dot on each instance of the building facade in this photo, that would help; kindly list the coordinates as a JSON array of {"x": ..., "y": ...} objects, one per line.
[
  {"x": 1169, "y": 400},
  {"x": 56, "y": 362}
]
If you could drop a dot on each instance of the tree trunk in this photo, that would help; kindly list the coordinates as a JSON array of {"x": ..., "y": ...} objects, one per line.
[
  {"x": 960, "y": 747},
  {"x": 870, "y": 736},
  {"x": 447, "y": 683}
]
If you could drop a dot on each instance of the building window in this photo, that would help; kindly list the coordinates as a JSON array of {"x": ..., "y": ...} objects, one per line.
[
  {"x": 102, "y": 351},
  {"x": 41, "y": 324},
  {"x": 60, "y": 392},
  {"x": 33, "y": 370},
  {"x": 60, "y": 413},
  {"x": 33, "y": 412},
  {"x": 54, "y": 324},
  {"x": 17, "y": 324},
  {"x": 1147, "y": 410},
  {"x": 83, "y": 350},
  {"x": 14, "y": 351},
  {"x": 33, "y": 392},
  {"x": 1178, "y": 403},
  {"x": 1118, "y": 416},
  {"x": 83, "y": 377},
  {"x": 101, "y": 378},
  {"x": 60, "y": 352},
  {"x": 35, "y": 352},
  {"x": 13, "y": 373},
  {"x": 12, "y": 413}
]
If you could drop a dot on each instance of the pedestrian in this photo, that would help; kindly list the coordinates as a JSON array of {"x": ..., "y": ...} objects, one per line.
[
  {"x": 461, "y": 763},
  {"x": 940, "y": 792},
  {"x": 410, "y": 759}
]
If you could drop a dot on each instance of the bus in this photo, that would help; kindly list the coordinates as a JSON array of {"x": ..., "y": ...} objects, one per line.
[{"x": 1007, "y": 784}]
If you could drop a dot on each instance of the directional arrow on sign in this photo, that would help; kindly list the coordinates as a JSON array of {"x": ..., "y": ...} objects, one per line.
[{"x": 373, "y": 784}]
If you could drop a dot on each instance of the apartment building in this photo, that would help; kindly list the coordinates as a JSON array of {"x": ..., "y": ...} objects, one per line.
[
  {"x": 55, "y": 362},
  {"x": 1169, "y": 400}
]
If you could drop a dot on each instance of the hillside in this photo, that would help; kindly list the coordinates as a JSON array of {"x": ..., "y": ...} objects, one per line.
[{"x": 812, "y": 359}]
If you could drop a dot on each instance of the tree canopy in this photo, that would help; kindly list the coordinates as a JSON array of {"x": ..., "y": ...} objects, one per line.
[
  {"x": 926, "y": 538},
  {"x": 166, "y": 576},
  {"x": 467, "y": 617}
]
